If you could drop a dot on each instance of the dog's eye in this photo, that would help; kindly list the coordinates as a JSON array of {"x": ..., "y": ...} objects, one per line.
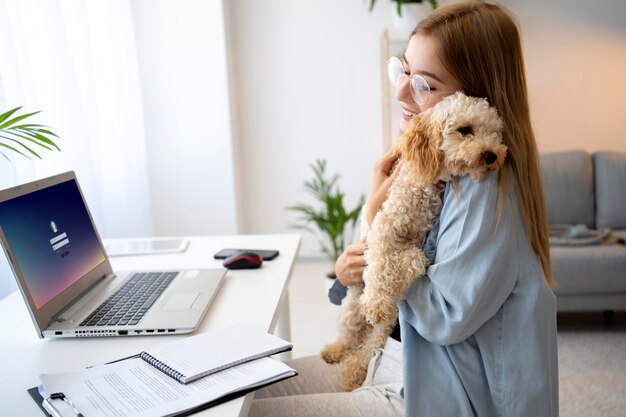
[{"x": 465, "y": 130}]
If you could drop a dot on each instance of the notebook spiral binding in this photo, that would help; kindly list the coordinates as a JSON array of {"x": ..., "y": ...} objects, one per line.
[{"x": 162, "y": 367}]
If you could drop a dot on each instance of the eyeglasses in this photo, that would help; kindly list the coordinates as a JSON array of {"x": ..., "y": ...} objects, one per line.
[{"x": 420, "y": 90}]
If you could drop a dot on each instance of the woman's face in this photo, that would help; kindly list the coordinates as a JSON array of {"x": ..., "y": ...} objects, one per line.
[{"x": 420, "y": 58}]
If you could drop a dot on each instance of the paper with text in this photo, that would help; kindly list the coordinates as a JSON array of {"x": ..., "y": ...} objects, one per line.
[{"x": 134, "y": 388}]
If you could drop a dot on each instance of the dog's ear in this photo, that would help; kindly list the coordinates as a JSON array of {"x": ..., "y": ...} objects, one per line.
[{"x": 419, "y": 146}]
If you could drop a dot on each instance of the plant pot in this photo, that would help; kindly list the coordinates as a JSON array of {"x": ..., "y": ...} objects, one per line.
[
  {"x": 330, "y": 279},
  {"x": 401, "y": 27}
]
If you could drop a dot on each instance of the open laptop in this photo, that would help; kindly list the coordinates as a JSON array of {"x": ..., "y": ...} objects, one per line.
[{"x": 66, "y": 279}]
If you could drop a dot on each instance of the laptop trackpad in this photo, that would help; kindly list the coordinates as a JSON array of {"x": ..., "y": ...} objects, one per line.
[{"x": 181, "y": 301}]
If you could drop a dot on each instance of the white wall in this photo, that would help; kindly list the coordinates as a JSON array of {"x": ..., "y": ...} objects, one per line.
[
  {"x": 307, "y": 85},
  {"x": 575, "y": 55},
  {"x": 182, "y": 62}
]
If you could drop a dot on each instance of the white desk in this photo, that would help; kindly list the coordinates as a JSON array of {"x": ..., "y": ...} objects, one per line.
[{"x": 257, "y": 297}]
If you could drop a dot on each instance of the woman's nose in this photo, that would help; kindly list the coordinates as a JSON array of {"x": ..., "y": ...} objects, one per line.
[{"x": 403, "y": 90}]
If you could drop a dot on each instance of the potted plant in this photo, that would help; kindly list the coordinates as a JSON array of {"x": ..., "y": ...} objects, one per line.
[
  {"x": 406, "y": 15},
  {"x": 399, "y": 3},
  {"x": 331, "y": 219},
  {"x": 20, "y": 137}
]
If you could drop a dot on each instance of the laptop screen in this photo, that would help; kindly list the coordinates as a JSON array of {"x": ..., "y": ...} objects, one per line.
[{"x": 52, "y": 239}]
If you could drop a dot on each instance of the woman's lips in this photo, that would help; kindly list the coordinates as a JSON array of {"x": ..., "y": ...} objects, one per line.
[{"x": 406, "y": 114}]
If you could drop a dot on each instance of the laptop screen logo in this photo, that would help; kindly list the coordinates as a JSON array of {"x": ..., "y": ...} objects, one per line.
[{"x": 60, "y": 242}]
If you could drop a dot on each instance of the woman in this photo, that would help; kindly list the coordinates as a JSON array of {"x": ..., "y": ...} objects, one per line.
[{"x": 479, "y": 329}]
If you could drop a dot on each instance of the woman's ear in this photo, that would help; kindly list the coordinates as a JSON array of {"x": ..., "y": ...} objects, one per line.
[{"x": 419, "y": 146}]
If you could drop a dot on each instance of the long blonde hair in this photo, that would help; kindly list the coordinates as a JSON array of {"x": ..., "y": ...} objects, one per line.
[{"x": 479, "y": 44}]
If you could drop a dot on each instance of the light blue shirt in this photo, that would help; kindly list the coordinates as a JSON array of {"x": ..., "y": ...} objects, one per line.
[{"x": 479, "y": 329}]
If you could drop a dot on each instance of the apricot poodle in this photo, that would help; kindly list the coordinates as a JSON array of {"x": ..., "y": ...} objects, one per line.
[{"x": 460, "y": 135}]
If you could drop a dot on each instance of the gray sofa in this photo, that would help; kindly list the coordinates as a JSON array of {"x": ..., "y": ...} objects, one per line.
[{"x": 589, "y": 190}]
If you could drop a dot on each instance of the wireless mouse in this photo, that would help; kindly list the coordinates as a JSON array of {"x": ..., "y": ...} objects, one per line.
[{"x": 243, "y": 260}]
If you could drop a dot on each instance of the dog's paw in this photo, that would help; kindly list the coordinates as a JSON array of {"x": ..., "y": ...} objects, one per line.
[
  {"x": 334, "y": 352},
  {"x": 353, "y": 370}
]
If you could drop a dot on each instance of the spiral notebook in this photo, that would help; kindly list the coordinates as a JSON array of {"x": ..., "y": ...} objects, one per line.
[{"x": 197, "y": 356}]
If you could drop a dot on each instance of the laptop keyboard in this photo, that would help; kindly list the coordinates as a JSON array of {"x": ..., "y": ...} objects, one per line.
[{"x": 128, "y": 304}]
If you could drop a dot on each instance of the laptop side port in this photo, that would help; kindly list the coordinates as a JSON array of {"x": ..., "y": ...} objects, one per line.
[{"x": 122, "y": 332}]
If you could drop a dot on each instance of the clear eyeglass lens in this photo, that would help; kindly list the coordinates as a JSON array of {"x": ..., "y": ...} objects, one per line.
[
  {"x": 394, "y": 70},
  {"x": 420, "y": 89}
]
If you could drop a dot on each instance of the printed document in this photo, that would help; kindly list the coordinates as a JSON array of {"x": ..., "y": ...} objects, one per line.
[{"x": 134, "y": 388}]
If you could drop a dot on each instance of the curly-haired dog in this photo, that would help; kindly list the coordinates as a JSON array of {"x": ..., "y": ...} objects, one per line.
[{"x": 461, "y": 135}]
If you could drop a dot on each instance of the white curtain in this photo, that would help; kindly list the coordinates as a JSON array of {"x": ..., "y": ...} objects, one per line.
[{"x": 76, "y": 60}]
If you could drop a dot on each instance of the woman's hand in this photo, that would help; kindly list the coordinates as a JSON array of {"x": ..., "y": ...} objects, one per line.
[
  {"x": 351, "y": 264},
  {"x": 384, "y": 174}
]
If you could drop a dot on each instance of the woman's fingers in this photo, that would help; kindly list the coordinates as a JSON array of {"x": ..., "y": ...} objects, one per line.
[
  {"x": 357, "y": 249},
  {"x": 387, "y": 162},
  {"x": 385, "y": 173},
  {"x": 351, "y": 263}
]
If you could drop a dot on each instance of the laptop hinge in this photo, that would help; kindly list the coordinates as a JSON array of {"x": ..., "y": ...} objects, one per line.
[{"x": 79, "y": 302}]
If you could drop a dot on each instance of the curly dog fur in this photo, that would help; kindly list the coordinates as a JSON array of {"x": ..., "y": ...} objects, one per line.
[{"x": 461, "y": 135}]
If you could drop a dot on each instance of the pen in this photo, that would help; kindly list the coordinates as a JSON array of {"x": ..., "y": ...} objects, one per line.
[{"x": 117, "y": 360}]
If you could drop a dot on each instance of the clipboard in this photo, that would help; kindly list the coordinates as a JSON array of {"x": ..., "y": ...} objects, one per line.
[
  {"x": 34, "y": 393},
  {"x": 46, "y": 405}
]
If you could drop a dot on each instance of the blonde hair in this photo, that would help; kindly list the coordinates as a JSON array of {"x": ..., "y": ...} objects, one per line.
[{"x": 479, "y": 44}]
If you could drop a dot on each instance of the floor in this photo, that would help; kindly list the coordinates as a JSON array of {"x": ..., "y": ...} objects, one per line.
[{"x": 314, "y": 320}]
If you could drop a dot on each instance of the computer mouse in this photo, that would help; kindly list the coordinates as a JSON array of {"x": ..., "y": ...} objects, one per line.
[{"x": 243, "y": 260}]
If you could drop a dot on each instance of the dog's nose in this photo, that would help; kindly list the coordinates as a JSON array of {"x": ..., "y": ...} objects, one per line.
[{"x": 489, "y": 157}]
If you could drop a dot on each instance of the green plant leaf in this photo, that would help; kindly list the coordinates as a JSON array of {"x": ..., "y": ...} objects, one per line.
[
  {"x": 47, "y": 132},
  {"x": 39, "y": 137},
  {"x": 8, "y": 114},
  {"x": 22, "y": 145},
  {"x": 23, "y": 133},
  {"x": 35, "y": 128},
  {"x": 13, "y": 149},
  {"x": 11, "y": 122},
  {"x": 433, "y": 3},
  {"x": 10, "y": 132}
]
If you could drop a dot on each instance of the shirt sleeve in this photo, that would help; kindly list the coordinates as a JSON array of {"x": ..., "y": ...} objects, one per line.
[{"x": 475, "y": 266}]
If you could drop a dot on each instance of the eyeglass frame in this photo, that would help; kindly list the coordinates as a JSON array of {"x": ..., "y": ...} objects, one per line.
[{"x": 410, "y": 78}]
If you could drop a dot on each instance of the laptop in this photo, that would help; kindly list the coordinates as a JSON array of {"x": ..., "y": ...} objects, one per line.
[{"x": 65, "y": 276}]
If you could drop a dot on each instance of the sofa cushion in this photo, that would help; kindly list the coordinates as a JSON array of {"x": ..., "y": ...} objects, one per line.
[
  {"x": 610, "y": 185},
  {"x": 568, "y": 187},
  {"x": 586, "y": 270}
]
